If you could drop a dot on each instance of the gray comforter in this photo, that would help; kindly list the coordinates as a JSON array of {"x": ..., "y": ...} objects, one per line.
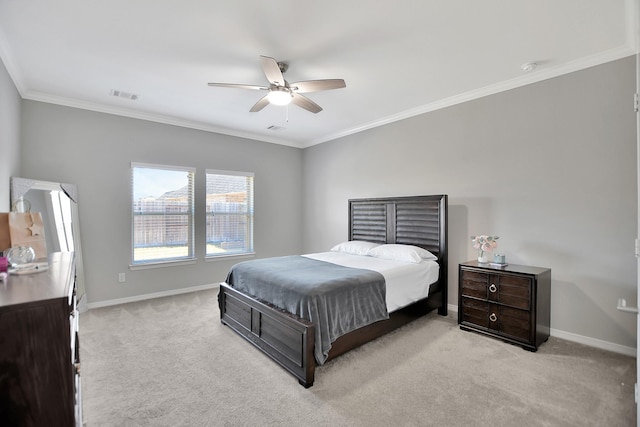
[{"x": 336, "y": 299}]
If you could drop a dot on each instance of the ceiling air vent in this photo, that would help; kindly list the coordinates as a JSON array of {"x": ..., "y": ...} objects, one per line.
[
  {"x": 274, "y": 127},
  {"x": 125, "y": 95}
]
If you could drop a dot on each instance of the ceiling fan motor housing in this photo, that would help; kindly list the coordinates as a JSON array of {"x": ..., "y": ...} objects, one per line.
[{"x": 283, "y": 67}]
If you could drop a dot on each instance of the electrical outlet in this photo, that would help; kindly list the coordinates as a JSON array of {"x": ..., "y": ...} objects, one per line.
[{"x": 121, "y": 277}]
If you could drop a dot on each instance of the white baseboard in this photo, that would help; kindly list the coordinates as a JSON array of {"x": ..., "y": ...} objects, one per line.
[
  {"x": 453, "y": 310},
  {"x": 151, "y": 296},
  {"x": 580, "y": 339},
  {"x": 594, "y": 342}
]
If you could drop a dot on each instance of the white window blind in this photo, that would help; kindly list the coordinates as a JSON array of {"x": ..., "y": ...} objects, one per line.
[
  {"x": 229, "y": 213},
  {"x": 162, "y": 208}
]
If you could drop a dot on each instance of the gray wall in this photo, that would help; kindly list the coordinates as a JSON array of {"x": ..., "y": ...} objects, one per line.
[
  {"x": 550, "y": 168},
  {"x": 94, "y": 151},
  {"x": 9, "y": 136}
]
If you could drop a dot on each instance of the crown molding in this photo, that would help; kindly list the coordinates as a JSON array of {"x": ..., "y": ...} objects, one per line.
[
  {"x": 632, "y": 8},
  {"x": 539, "y": 75},
  {"x": 157, "y": 118}
]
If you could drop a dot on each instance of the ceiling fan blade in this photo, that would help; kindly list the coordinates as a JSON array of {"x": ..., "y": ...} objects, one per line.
[
  {"x": 236, "y": 86},
  {"x": 306, "y": 103},
  {"x": 272, "y": 70},
  {"x": 262, "y": 102},
  {"x": 317, "y": 85}
]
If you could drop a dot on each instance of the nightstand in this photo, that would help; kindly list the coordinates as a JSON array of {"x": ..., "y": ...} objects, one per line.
[{"x": 512, "y": 303}]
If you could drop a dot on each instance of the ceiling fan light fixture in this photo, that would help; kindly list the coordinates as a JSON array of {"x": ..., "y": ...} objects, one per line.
[
  {"x": 280, "y": 92},
  {"x": 279, "y": 96}
]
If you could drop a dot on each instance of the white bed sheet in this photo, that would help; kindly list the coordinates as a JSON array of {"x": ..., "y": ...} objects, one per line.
[{"x": 406, "y": 282}]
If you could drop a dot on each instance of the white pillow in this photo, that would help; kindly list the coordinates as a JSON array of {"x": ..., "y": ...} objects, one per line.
[
  {"x": 406, "y": 253},
  {"x": 355, "y": 247}
]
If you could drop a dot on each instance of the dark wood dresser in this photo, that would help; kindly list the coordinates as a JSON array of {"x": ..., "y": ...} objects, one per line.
[
  {"x": 39, "y": 349},
  {"x": 512, "y": 303}
]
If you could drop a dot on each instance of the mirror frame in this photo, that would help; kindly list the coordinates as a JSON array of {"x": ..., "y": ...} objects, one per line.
[{"x": 20, "y": 186}]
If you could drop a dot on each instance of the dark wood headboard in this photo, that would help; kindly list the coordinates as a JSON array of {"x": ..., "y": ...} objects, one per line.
[{"x": 417, "y": 220}]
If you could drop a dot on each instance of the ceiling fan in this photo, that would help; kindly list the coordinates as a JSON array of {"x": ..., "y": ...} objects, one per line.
[{"x": 282, "y": 92}]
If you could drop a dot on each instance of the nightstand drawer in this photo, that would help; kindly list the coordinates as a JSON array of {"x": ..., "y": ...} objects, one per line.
[
  {"x": 474, "y": 284},
  {"x": 510, "y": 321},
  {"x": 514, "y": 291},
  {"x": 475, "y": 311},
  {"x": 510, "y": 290},
  {"x": 497, "y": 318}
]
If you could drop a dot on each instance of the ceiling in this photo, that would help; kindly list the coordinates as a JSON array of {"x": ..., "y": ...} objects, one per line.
[{"x": 398, "y": 58}]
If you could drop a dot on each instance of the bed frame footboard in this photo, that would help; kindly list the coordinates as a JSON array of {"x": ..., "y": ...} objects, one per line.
[
  {"x": 290, "y": 340},
  {"x": 287, "y": 339}
]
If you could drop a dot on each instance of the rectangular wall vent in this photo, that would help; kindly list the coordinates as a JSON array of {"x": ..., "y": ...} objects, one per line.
[{"x": 126, "y": 95}]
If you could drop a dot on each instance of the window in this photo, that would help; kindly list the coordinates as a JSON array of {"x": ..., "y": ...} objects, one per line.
[
  {"x": 162, "y": 210},
  {"x": 229, "y": 213}
]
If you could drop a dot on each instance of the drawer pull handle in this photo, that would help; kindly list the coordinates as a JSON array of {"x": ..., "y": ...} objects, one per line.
[
  {"x": 493, "y": 317},
  {"x": 493, "y": 288}
]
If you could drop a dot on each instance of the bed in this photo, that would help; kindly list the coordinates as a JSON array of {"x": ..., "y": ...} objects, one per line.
[{"x": 300, "y": 345}]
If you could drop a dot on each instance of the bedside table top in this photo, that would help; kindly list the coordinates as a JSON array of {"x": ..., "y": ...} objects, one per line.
[{"x": 512, "y": 268}]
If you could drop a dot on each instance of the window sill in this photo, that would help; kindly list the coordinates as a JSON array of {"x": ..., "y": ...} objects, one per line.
[
  {"x": 226, "y": 257},
  {"x": 162, "y": 264}
]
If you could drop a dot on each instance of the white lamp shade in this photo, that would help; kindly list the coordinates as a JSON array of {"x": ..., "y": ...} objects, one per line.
[{"x": 279, "y": 96}]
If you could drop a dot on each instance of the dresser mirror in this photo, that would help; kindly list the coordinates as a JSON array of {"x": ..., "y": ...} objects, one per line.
[{"x": 58, "y": 204}]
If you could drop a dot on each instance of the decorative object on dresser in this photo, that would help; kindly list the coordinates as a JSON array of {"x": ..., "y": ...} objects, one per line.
[
  {"x": 499, "y": 260},
  {"x": 512, "y": 302},
  {"x": 484, "y": 244},
  {"x": 290, "y": 340},
  {"x": 39, "y": 348},
  {"x": 17, "y": 255},
  {"x": 26, "y": 229}
]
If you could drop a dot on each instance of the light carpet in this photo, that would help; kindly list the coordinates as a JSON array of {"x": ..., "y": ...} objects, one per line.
[{"x": 170, "y": 362}]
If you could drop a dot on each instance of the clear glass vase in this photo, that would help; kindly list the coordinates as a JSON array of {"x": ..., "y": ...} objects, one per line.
[
  {"x": 483, "y": 258},
  {"x": 20, "y": 255}
]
